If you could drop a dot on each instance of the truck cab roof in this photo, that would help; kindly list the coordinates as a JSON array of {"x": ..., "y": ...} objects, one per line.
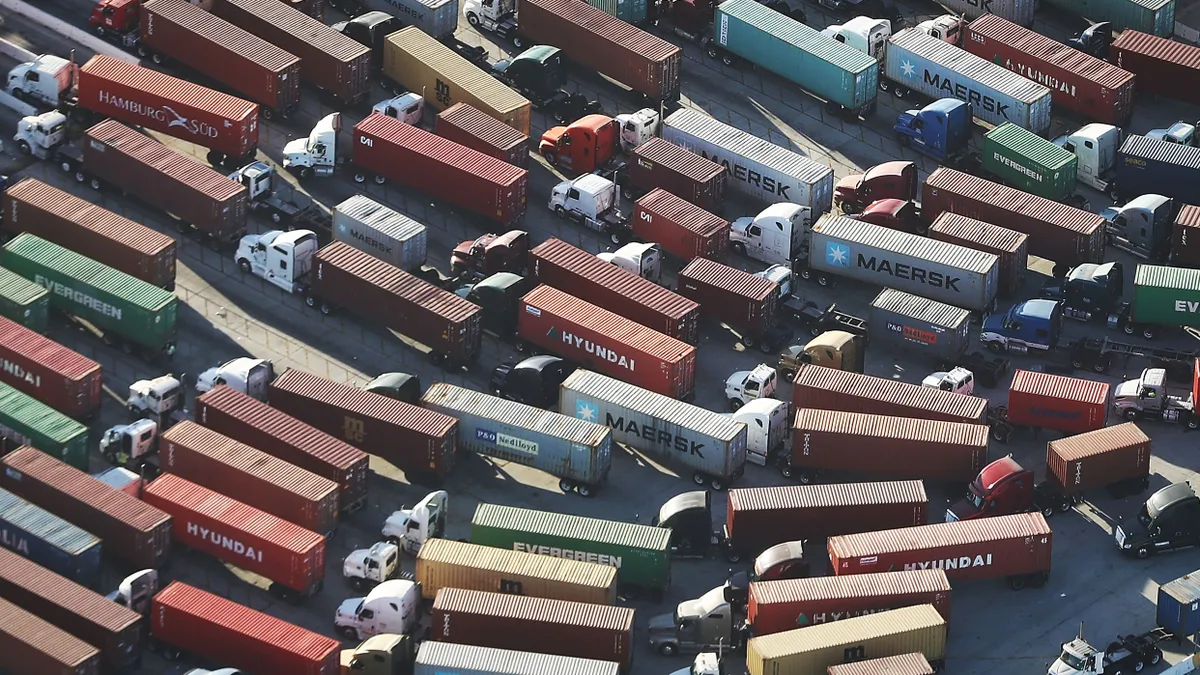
[
  {"x": 688, "y": 501},
  {"x": 703, "y": 605},
  {"x": 779, "y": 553},
  {"x": 1039, "y": 308},
  {"x": 1167, "y": 497},
  {"x": 1148, "y": 202},
  {"x": 997, "y": 471}
]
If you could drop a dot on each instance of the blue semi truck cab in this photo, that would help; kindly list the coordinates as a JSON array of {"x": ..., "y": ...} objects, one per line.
[
  {"x": 940, "y": 130},
  {"x": 1029, "y": 325}
]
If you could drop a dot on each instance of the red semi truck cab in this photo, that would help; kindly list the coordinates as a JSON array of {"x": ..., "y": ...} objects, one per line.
[
  {"x": 114, "y": 17},
  {"x": 890, "y": 180},
  {"x": 894, "y": 214},
  {"x": 582, "y": 146},
  {"x": 1003, "y": 488}
]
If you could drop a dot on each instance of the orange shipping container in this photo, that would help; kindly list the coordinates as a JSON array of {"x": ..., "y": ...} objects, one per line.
[{"x": 828, "y": 389}]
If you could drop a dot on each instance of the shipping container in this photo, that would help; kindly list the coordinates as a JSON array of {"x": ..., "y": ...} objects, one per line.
[
  {"x": 1185, "y": 238},
  {"x": 108, "y": 626},
  {"x": 32, "y": 646},
  {"x": 1010, "y": 246},
  {"x": 755, "y": 167},
  {"x": 1028, "y": 162},
  {"x": 241, "y": 417},
  {"x": 106, "y": 237},
  {"x": 444, "y": 658},
  {"x": 438, "y": 18},
  {"x": 1151, "y": 16},
  {"x": 880, "y": 255},
  {"x": 558, "y": 627},
  {"x": 329, "y": 60},
  {"x": 1061, "y": 233},
  {"x": 744, "y": 301},
  {"x": 1153, "y": 166},
  {"x": 759, "y": 518},
  {"x": 920, "y": 325},
  {"x": 1071, "y": 405},
  {"x": 135, "y": 533},
  {"x": 577, "y": 452},
  {"x": 191, "y": 193},
  {"x": 905, "y": 664},
  {"x": 445, "y": 170},
  {"x": 49, "y": 541},
  {"x": 1078, "y": 82},
  {"x": 24, "y": 302},
  {"x": 49, "y": 372},
  {"x": 446, "y": 324},
  {"x": 386, "y": 234},
  {"x": 681, "y": 172},
  {"x": 596, "y": 41},
  {"x": 1016, "y": 11},
  {"x": 467, "y": 125},
  {"x": 445, "y": 563},
  {"x": 215, "y": 48},
  {"x": 710, "y": 445},
  {"x": 1167, "y": 296},
  {"x": 234, "y": 635},
  {"x": 243, "y": 536},
  {"x": 27, "y": 421},
  {"x": 828, "y": 389},
  {"x": 776, "y": 606},
  {"x": 641, "y": 553},
  {"x": 832, "y": 71},
  {"x": 1016, "y": 547},
  {"x": 556, "y": 263},
  {"x": 420, "y": 442},
  {"x": 1178, "y": 606},
  {"x": 596, "y": 338},
  {"x": 1099, "y": 458},
  {"x": 630, "y": 12},
  {"x": 1163, "y": 66},
  {"x": 680, "y": 227},
  {"x": 225, "y": 124}
]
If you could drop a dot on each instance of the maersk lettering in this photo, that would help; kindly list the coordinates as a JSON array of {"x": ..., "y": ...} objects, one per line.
[
  {"x": 381, "y": 246},
  {"x": 569, "y": 554},
  {"x": 965, "y": 562},
  {"x": 598, "y": 351},
  {"x": 917, "y": 274},
  {"x": 749, "y": 176},
  {"x": 659, "y": 436},
  {"x": 965, "y": 93},
  {"x": 78, "y": 297},
  {"x": 14, "y": 542},
  {"x": 15, "y": 370},
  {"x": 232, "y": 545}
]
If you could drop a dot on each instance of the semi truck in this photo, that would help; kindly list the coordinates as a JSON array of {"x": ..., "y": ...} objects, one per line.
[
  {"x": 1152, "y": 396},
  {"x": 1163, "y": 297},
  {"x": 1128, "y": 653},
  {"x": 1168, "y": 521}
]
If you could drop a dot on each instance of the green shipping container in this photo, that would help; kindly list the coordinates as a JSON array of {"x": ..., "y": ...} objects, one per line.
[
  {"x": 1156, "y": 17},
  {"x": 140, "y": 312},
  {"x": 630, "y": 11},
  {"x": 28, "y": 421},
  {"x": 24, "y": 302},
  {"x": 641, "y": 554},
  {"x": 1026, "y": 161},
  {"x": 1167, "y": 296}
]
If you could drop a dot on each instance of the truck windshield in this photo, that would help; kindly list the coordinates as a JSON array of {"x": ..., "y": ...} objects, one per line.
[
  {"x": 1072, "y": 660},
  {"x": 974, "y": 499}
]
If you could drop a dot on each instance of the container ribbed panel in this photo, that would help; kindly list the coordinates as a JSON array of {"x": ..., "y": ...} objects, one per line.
[
  {"x": 554, "y": 524},
  {"x": 822, "y": 496}
]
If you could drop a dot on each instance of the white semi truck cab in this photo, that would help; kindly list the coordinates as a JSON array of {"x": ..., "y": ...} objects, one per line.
[
  {"x": 638, "y": 127},
  {"x": 1095, "y": 145},
  {"x": 158, "y": 398},
  {"x": 391, "y": 607},
  {"x": 407, "y": 107},
  {"x": 767, "y": 428},
  {"x": 1181, "y": 133},
  {"x": 746, "y": 385},
  {"x": 591, "y": 200},
  {"x": 864, "y": 34},
  {"x": 131, "y": 446},
  {"x": 41, "y": 135},
  {"x": 1126, "y": 654},
  {"x": 494, "y": 16},
  {"x": 245, "y": 374},
  {"x": 282, "y": 258},
  {"x": 367, "y": 567},
  {"x": 317, "y": 154},
  {"x": 409, "y": 529},
  {"x": 640, "y": 258},
  {"x": 47, "y": 80},
  {"x": 947, "y": 28},
  {"x": 775, "y": 236}
]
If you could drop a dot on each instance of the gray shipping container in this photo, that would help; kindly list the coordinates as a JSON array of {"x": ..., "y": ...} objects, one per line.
[
  {"x": 448, "y": 658},
  {"x": 572, "y": 449},
  {"x": 922, "y": 325},
  {"x": 708, "y": 443},
  {"x": 954, "y": 274},
  {"x": 1019, "y": 12},
  {"x": 373, "y": 228},
  {"x": 50, "y": 541},
  {"x": 755, "y": 167},
  {"x": 438, "y": 18}
]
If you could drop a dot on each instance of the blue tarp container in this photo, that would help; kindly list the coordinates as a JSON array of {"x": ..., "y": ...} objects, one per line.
[
  {"x": 1179, "y": 605},
  {"x": 49, "y": 540}
]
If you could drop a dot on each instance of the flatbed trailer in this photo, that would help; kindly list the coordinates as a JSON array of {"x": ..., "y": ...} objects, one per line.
[{"x": 1099, "y": 355}]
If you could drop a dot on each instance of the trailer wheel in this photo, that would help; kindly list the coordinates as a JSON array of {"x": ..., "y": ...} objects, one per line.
[
  {"x": 668, "y": 650},
  {"x": 712, "y": 52},
  {"x": 1155, "y": 656},
  {"x": 1017, "y": 583},
  {"x": 380, "y": 179},
  {"x": 884, "y": 84},
  {"x": 94, "y": 184},
  {"x": 1193, "y": 423},
  {"x": 565, "y": 485},
  {"x": 785, "y": 470},
  {"x": 1142, "y": 552},
  {"x": 1148, "y": 332},
  {"x": 1001, "y": 434},
  {"x": 1138, "y": 666},
  {"x": 157, "y": 59},
  {"x": 699, "y": 478},
  {"x": 732, "y": 555},
  {"x": 584, "y": 490},
  {"x": 518, "y": 42},
  {"x": 822, "y": 280},
  {"x": 80, "y": 177},
  {"x": 727, "y": 59},
  {"x": 1048, "y": 511},
  {"x": 1100, "y": 366},
  {"x": 1131, "y": 415},
  {"x": 716, "y": 484}
]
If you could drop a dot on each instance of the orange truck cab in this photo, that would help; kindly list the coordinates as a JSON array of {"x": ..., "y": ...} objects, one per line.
[
  {"x": 583, "y": 146},
  {"x": 896, "y": 214},
  {"x": 890, "y": 180},
  {"x": 114, "y": 18}
]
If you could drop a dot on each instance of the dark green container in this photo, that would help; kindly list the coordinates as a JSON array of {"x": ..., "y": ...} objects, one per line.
[
  {"x": 28, "y": 421},
  {"x": 1167, "y": 296},
  {"x": 1028, "y": 162},
  {"x": 24, "y": 302}
]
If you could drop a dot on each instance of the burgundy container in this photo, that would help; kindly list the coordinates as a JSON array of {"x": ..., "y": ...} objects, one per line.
[
  {"x": 34, "y": 364},
  {"x": 1185, "y": 240},
  {"x": 1163, "y": 66},
  {"x": 759, "y": 518},
  {"x": 1068, "y": 404},
  {"x": 1016, "y": 546},
  {"x": 905, "y": 664},
  {"x": 346, "y": 277},
  {"x": 137, "y": 534},
  {"x": 226, "y": 125},
  {"x": 899, "y": 447},
  {"x": 1064, "y": 234},
  {"x": 220, "y": 50},
  {"x": 467, "y": 125},
  {"x": 276, "y": 433},
  {"x": 1010, "y": 246},
  {"x": 556, "y": 263},
  {"x": 181, "y": 186},
  {"x": 328, "y": 60},
  {"x": 1099, "y": 458},
  {"x": 241, "y": 535},
  {"x": 106, "y": 237},
  {"x": 683, "y": 229},
  {"x": 112, "y": 628},
  {"x": 661, "y": 164},
  {"x": 234, "y": 635},
  {"x": 30, "y": 645},
  {"x": 828, "y": 389},
  {"x": 416, "y": 440},
  {"x": 607, "y": 343},
  {"x": 250, "y": 476},
  {"x": 539, "y": 625},
  {"x": 442, "y": 168},
  {"x": 1077, "y": 81},
  {"x": 742, "y": 300},
  {"x": 776, "y": 606}
]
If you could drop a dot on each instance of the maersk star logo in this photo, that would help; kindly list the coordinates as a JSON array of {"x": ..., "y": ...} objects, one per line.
[
  {"x": 342, "y": 228},
  {"x": 907, "y": 68},
  {"x": 837, "y": 255},
  {"x": 586, "y": 411}
]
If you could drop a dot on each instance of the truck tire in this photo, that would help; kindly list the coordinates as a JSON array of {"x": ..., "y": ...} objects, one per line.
[
  {"x": 1142, "y": 552},
  {"x": 668, "y": 649},
  {"x": 735, "y": 404},
  {"x": 1131, "y": 415},
  {"x": 24, "y": 148},
  {"x": 732, "y": 555},
  {"x": 473, "y": 20},
  {"x": 1155, "y": 656},
  {"x": 584, "y": 490},
  {"x": 738, "y": 248},
  {"x": 1017, "y": 582}
]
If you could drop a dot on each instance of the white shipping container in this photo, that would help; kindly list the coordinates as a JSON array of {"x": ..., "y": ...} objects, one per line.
[
  {"x": 373, "y": 228},
  {"x": 448, "y": 658}
]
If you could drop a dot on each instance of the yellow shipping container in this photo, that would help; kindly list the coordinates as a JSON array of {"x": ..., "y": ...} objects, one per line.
[
  {"x": 444, "y": 563},
  {"x": 427, "y": 67},
  {"x": 811, "y": 650}
]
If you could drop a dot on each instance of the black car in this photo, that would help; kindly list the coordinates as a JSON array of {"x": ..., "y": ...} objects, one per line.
[{"x": 1168, "y": 521}]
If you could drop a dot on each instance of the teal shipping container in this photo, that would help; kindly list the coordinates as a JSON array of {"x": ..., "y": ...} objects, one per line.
[
  {"x": 822, "y": 66},
  {"x": 24, "y": 302},
  {"x": 1156, "y": 17},
  {"x": 28, "y": 421},
  {"x": 1022, "y": 159},
  {"x": 630, "y": 11},
  {"x": 1166, "y": 296}
]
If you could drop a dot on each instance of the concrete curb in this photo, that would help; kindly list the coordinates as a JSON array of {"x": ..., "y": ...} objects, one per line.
[{"x": 67, "y": 31}]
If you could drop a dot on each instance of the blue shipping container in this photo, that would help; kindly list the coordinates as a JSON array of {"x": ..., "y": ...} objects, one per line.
[
  {"x": 1179, "y": 605},
  {"x": 1150, "y": 166},
  {"x": 629, "y": 11},
  {"x": 49, "y": 540}
]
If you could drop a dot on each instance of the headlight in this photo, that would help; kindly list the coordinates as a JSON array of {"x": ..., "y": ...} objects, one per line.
[{"x": 1126, "y": 546}]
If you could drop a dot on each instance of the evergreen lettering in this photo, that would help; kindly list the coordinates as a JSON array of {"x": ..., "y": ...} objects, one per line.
[
  {"x": 965, "y": 93},
  {"x": 568, "y": 554},
  {"x": 598, "y": 351},
  {"x": 78, "y": 297},
  {"x": 660, "y": 436},
  {"x": 917, "y": 274},
  {"x": 232, "y": 545},
  {"x": 1017, "y": 167}
]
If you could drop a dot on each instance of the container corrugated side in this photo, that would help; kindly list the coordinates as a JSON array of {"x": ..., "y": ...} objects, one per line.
[
  {"x": 1010, "y": 246},
  {"x": 1099, "y": 458},
  {"x": 1048, "y": 401},
  {"x": 1029, "y": 162},
  {"x": 24, "y": 302},
  {"x": 441, "y": 658},
  {"x": 27, "y": 421},
  {"x": 35, "y": 646},
  {"x": 381, "y": 231},
  {"x": 630, "y": 12},
  {"x": 35, "y": 533},
  {"x": 1151, "y": 16},
  {"x": 1154, "y": 166},
  {"x": 467, "y": 125},
  {"x": 660, "y": 164},
  {"x": 829, "y": 389},
  {"x": 1017, "y": 11},
  {"x": 40, "y": 367},
  {"x": 905, "y": 664},
  {"x": 1178, "y": 605},
  {"x": 920, "y": 324},
  {"x": 1185, "y": 239},
  {"x": 680, "y": 227},
  {"x": 1168, "y": 296},
  {"x": 1163, "y": 66}
]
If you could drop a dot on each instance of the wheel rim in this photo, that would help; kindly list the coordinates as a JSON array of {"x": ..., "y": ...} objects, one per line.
[
  {"x": 699, "y": 479},
  {"x": 564, "y": 485},
  {"x": 584, "y": 491},
  {"x": 379, "y": 180}
]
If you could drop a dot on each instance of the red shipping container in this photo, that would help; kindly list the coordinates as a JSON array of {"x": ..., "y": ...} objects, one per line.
[
  {"x": 759, "y": 518},
  {"x": 242, "y": 417},
  {"x": 662, "y": 164},
  {"x": 31, "y": 646},
  {"x": 40, "y": 367},
  {"x": 744, "y": 301},
  {"x": 776, "y": 606},
  {"x": 1017, "y": 547},
  {"x": 467, "y": 125},
  {"x": 442, "y": 168},
  {"x": 420, "y": 442},
  {"x": 828, "y": 389},
  {"x": 218, "y": 49},
  {"x": 241, "y": 535},
  {"x": 234, "y": 635},
  {"x": 1068, "y": 404},
  {"x": 226, "y": 125},
  {"x": 250, "y": 476},
  {"x": 905, "y": 664},
  {"x": 1010, "y": 246},
  {"x": 1185, "y": 239},
  {"x": 1099, "y": 458},
  {"x": 1162, "y": 65},
  {"x": 683, "y": 229},
  {"x": 1077, "y": 81},
  {"x": 556, "y": 263}
]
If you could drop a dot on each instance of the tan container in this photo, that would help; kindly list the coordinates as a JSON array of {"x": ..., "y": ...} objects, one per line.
[
  {"x": 811, "y": 650},
  {"x": 427, "y": 67},
  {"x": 905, "y": 664},
  {"x": 444, "y": 563}
]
